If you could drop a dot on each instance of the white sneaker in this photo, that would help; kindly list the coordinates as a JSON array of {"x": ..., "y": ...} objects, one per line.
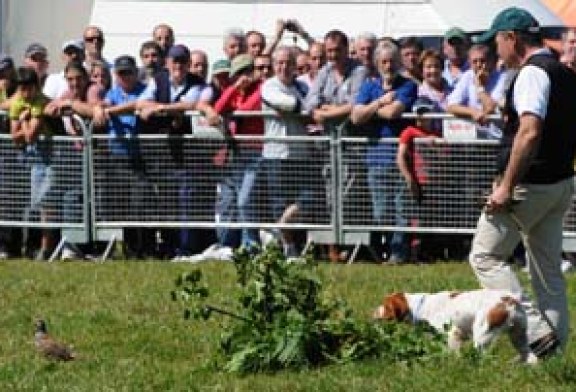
[
  {"x": 267, "y": 238},
  {"x": 296, "y": 260},
  {"x": 177, "y": 259},
  {"x": 567, "y": 266},
  {"x": 68, "y": 254},
  {"x": 211, "y": 251},
  {"x": 224, "y": 253}
]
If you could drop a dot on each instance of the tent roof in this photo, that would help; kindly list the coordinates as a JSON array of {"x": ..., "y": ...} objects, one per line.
[{"x": 436, "y": 16}]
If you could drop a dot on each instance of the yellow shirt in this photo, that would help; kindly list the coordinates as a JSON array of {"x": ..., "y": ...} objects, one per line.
[{"x": 36, "y": 106}]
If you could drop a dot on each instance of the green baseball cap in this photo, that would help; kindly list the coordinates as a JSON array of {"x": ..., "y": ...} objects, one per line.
[
  {"x": 221, "y": 66},
  {"x": 510, "y": 19},
  {"x": 455, "y": 33},
  {"x": 240, "y": 63}
]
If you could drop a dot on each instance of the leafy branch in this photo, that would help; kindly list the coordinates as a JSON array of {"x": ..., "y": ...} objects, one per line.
[{"x": 283, "y": 319}]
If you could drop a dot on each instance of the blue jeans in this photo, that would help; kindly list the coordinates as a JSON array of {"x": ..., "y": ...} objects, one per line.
[
  {"x": 275, "y": 187},
  {"x": 292, "y": 181},
  {"x": 236, "y": 202},
  {"x": 386, "y": 191}
]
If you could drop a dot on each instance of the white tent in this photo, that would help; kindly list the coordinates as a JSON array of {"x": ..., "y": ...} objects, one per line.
[{"x": 200, "y": 24}]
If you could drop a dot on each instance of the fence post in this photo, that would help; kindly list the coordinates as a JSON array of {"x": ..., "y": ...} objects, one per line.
[
  {"x": 87, "y": 183},
  {"x": 335, "y": 173}
]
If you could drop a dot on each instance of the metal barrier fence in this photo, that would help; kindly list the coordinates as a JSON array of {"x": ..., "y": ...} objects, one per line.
[
  {"x": 44, "y": 185},
  {"x": 177, "y": 181},
  {"x": 100, "y": 185},
  {"x": 453, "y": 176}
]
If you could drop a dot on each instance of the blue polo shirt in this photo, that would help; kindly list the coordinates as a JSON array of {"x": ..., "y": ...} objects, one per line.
[
  {"x": 123, "y": 128},
  {"x": 406, "y": 92}
]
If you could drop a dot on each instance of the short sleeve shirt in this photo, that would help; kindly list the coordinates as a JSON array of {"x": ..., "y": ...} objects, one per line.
[
  {"x": 36, "y": 106},
  {"x": 123, "y": 125},
  {"x": 531, "y": 91},
  {"x": 406, "y": 92}
]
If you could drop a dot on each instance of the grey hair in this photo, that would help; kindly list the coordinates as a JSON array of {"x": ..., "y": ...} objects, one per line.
[
  {"x": 490, "y": 54},
  {"x": 280, "y": 49},
  {"x": 390, "y": 48},
  {"x": 367, "y": 36},
  {"x": 198, "y": 52},
  {"x": 236, "y": 33}
]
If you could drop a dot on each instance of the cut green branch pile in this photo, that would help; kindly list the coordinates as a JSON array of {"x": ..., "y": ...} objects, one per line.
[{"x": 284, "y": 320}]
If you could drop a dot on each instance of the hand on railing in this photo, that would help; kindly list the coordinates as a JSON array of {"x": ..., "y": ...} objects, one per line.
[
  {"x": 212, "y": 118},
  {"x": 100, "y": 116},
  {"x": 480, "y": 116},
  {"x": 147, "y": 112}
]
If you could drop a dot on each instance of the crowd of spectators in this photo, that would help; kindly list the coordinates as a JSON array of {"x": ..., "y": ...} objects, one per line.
[{"x": 367, "y": 81}]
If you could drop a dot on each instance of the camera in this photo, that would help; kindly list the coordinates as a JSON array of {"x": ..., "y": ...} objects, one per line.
[{"x": 291, "y": 26}]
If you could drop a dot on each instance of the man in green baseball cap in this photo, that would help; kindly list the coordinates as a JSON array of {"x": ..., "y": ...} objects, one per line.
[
  {"x": 535, "y": 183},
  {"x": 510, "y": 19}
]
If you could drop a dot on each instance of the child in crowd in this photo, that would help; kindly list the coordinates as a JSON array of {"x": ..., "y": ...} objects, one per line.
[
  {"x": 30, "y": 132},
  {"x": 411, "y": 164}
]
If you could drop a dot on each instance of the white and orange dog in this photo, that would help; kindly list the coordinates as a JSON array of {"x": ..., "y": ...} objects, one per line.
[{"x": 480, "y": 315}]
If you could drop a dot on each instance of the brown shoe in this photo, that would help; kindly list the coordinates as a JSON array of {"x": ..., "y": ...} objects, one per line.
[{"x": 334, "y": 254}]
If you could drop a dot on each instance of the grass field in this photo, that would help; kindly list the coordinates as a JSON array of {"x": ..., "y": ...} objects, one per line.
[{"x": 131, "y": 337}]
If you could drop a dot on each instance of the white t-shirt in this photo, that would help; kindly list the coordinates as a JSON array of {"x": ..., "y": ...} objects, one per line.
[
  {"x": 55, "y": 85},
  {"x": 531, "y": 91}
]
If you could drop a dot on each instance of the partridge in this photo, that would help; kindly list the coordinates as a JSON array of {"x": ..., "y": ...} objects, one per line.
[{"x": 48, "y": 347}]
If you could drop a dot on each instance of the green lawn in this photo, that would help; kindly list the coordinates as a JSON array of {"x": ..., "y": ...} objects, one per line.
[{"x": 131, "y": 337}]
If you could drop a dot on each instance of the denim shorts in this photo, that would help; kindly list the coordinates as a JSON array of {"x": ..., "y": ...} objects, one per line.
[{"x": 41, "y": 181}]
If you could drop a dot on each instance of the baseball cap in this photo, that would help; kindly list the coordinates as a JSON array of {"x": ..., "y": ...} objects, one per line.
[
  {"x": 221, "y": 66},
  {"x": 510, "y": 19},
  {"x": 423, "y": 105},
  {"x": 125, "y": 63},
  {"x": 240, "y": 63},
  {"x": 455, "y": 33},
  {"x": 179, "y": 52},
  {"x": 35, "y": 48},
  {"x": 72, "y": 44},
  {"x": 6, "y": 62}
]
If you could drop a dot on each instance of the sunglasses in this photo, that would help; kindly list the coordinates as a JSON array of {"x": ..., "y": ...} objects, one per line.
[
  {"x": 262, "y": 67},
  {"x": 126, "y": 72},
  {"x": 93, "y": 39},
  {"x": 39, "y": 58}
]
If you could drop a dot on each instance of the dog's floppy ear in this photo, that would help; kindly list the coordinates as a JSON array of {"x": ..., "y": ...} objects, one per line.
[{"x": 394, "y": 307}]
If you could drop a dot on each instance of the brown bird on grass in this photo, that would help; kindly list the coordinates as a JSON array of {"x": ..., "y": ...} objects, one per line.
[{"x": 50, "y": 348}]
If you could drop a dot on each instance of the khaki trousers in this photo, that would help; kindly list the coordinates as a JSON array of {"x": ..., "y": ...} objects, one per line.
[{"x": 539, "y": 218}]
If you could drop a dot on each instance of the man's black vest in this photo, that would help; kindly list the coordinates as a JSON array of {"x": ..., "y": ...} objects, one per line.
[{"x": 554, "y": 157}]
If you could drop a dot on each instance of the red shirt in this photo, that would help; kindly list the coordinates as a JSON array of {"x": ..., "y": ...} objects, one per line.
[
  {"x": 232, "y": 100},
  {"x": 407, "y": 137}
]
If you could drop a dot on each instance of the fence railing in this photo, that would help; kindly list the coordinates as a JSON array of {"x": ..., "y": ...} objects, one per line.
[{"x": 99, "y": 185}]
